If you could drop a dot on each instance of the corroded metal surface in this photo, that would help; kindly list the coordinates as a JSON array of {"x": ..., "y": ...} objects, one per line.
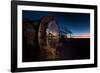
[{"x": 48, "y": 37}]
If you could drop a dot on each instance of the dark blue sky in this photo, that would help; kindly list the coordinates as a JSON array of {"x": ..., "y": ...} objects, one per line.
[{"x": 77, "y": 23}]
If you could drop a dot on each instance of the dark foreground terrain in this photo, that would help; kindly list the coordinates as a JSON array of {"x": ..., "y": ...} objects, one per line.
[
  {"x": 70, "y": 49},
  {"x": 75, "y": 48}
]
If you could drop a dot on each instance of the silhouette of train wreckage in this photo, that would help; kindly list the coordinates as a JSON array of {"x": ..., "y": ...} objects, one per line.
[{"x": 47, "y": 35}]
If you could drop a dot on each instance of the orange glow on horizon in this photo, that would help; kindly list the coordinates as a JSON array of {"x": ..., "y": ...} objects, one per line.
[{"x": 82, "y": 36}]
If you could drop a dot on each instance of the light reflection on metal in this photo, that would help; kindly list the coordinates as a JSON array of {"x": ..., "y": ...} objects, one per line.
[
  {"x": 48, "y": 36},
  {"x": 53, "y": 38}
]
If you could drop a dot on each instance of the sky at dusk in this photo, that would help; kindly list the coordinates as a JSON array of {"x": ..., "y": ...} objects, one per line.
[{"x": 77, "y": 23}]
